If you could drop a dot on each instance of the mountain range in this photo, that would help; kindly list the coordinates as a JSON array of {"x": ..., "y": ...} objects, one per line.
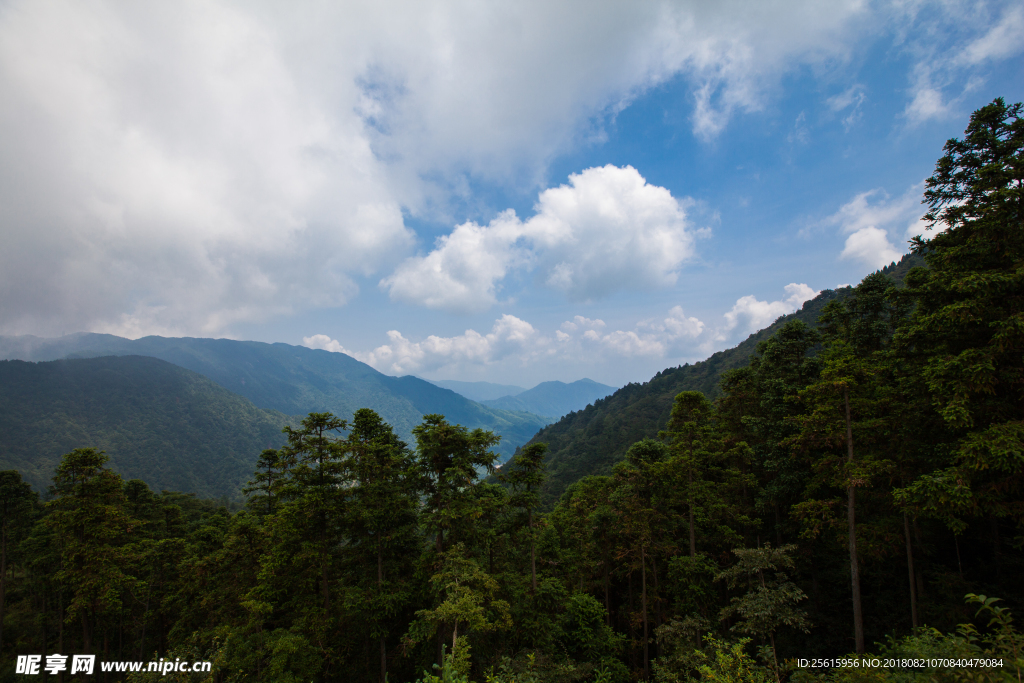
[
  {"x": 291, "y": 380},
  {"x": 478, "y": 391},
  {"x": 231, "y": 398},
  {"x": 553, "y": 399}
]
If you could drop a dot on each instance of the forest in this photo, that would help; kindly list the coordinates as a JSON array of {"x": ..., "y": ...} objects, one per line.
[{"x": 854, "y": 494}]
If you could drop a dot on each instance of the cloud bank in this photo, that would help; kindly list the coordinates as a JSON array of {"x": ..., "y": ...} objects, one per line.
[
  {"x": 515, "y": 342},
  {"x": 872, "y": 219},
  {"x": 183, "y": 168},
  {"x": 606, "y": 230}
]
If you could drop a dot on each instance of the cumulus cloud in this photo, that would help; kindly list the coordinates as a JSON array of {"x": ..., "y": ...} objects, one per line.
[
  {"x": 678, "y": 335},
  {"x": 581, "y": 340},
  {"x": 749, "y": 314},
  {"x": 871, "y": 217},
  {"x": 509, "y": 337},
  {"x": 325, "y": 343},
  {"x": 606, "y": 230},
  {"x": 870, "y": 246},
  {"x": 671, "y": 335}
]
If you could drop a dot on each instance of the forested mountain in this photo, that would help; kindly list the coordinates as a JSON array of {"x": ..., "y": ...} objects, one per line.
[
  {"x": 293, "y": 380},
  {"x": 168, "y": 426},
  {"x": 591, "y": 440},
  {"x": 553, "y": 399}
]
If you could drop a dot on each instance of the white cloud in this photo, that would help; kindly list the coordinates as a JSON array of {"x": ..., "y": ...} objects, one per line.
[
  {"x": 871, "y": 247},
  {"x": 322, "y": 341},
  {"x": 187, "y": 167},
  {"x": 870, "y": 218},
  {"x": 928, "y": 103},
  {"x": 1003, "y": 40},
  {"x": 606, "y": 230},
  {"x": 875, "y": 207},
  {"x": 463, "y": 271},
  {"x": 509, "y": 337},
  {"x": 580, "y": 342},
  {"x": 657, "y": 337},
  {"x": 749, "y": 314},
  {"x": 852, "y": 98},
  {"x": 956, "y": 42}
]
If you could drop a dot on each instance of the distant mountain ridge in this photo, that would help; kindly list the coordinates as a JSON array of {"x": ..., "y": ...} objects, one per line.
[
  {"x": 293, "y": 380},
  {"x": 170, "y": 427},
  {"x": 478, "y": 391},
  {"x": 554, "y": 399}
]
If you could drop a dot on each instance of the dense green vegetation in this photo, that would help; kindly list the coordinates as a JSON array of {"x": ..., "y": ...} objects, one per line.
[
  {"x": 855, "y": 490},
  {"x": 592, "y": 440},
  {"x": 163, "y": 424},
  {"x": 293, "y": 380}
]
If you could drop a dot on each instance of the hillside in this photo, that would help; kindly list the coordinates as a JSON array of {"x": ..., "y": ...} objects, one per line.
[
  {"x": 166, "y": 425},
  {"x": 479, "y": 391},
  {"x": 554, "y": 399},
  {"x": 590, "y": 441},
  {"x": 293, "y": 380}
]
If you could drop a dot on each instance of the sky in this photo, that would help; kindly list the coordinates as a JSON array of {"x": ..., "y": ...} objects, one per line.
[{"x": 505, "y": 192}]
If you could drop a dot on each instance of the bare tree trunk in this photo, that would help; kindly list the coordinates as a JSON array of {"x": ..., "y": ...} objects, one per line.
[
  {"x": 997, "y": 557},
  {"x": 533, "y": 557},
  {"x": 910, "y": 571},
  {"x": 959, "y": 564},
  {"x": 86, "y": 636},
  {"x": 380, "y": 588},
  {"x": 858, "y": 616},
  {"x": 439, "y": 545},
  {"x": 142, "y": 640},
  {"x": 607, "y": 603},
  {"x": 3, "y": 582},
  {"x": 657, "y": 599},
  {"x": 643, "y": 600},
  {"x": 693, "y": 532},
  {"x": 60, "y": 626}
]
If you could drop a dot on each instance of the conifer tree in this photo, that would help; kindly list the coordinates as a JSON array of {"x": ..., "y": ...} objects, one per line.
[
  {"x": 17, "y": 501},
  {"x": 848, "y": 400},
  {"x": 89, "y": 513},
  {"x": 967, "y": 329},
  {"x": 381, "y": 522},
  {"x": 450, "y": 459},
  {"x": 524, "y": 474}
]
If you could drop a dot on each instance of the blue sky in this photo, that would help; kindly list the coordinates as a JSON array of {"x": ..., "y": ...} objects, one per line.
[{"x": 514, "y": 194}]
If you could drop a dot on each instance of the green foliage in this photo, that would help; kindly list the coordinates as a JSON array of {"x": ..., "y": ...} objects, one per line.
[
  {"x": 585, "y": 636},
  {"x": 168, "y": 426},
  {"x": 466, "y": 597},
  {"x": 770, "y": 601},
  {"x": 967, "y": 332},
  {"x": 717, "y": 661}
]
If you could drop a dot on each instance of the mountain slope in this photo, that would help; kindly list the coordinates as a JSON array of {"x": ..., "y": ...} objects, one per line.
[
  {"x": 294, "y": 380},
  {"x": 166, "y": 425},
  {"x": 590, "y": 441},
  {"x": 554, "y": 399},
  {"x": 479, "y": 391}
]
